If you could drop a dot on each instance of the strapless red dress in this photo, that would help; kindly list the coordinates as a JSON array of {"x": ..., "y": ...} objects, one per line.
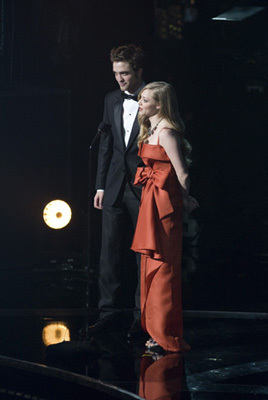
[{"x": 158, "y": 237}]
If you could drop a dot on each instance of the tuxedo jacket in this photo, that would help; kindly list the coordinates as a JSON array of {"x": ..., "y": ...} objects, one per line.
[{"x": 117, "y": 162}]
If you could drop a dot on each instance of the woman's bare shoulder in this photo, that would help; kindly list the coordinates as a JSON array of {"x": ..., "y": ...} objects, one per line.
[{"x": 169, "y": 133}]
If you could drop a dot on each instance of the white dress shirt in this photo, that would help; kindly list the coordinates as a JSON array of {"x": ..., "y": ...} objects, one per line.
[{"x": 130, "y": 109}]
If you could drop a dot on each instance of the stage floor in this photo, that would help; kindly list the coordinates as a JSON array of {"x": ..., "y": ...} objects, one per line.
[{"x": 228, "y": 360}]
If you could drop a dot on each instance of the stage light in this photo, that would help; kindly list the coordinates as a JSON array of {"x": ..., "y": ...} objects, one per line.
[
  {"x": 238, "y": 13},
  {"x": 57, "y": 214},
  {"x": 55, "y": 333}
]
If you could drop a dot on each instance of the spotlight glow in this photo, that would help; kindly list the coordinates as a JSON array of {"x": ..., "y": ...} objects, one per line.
[
  {"x": 57, "y": 214},
  {"x": 55, "y": 333}
]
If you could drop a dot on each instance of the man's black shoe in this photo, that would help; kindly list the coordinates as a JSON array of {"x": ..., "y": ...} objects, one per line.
[
  {"x": 136, "y": 330},
  {"x": 103, "y": 325}
]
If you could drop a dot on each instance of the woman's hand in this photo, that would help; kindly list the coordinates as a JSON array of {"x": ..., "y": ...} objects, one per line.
[{"x": 190, "y": 204}]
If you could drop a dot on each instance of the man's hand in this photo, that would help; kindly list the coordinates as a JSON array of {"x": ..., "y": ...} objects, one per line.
[{"x": 98, "y": 200}]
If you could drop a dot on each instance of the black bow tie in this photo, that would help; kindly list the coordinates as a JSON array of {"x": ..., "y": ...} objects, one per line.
[{"x": 129, "y": 96}]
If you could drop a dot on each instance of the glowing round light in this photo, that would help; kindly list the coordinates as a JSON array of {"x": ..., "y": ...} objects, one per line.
[
  {"x": 57, "y": 214},
  {"x": 55, "y": 333}
]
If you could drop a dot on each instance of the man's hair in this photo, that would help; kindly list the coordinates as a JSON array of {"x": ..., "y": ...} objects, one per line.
[{"x": 131, "y": 53}]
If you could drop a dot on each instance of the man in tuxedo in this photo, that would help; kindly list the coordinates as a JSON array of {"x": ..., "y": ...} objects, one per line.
[{"x": 116, "y": 196}]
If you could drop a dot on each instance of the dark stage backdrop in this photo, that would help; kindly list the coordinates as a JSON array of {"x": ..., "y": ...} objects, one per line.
[
  {"x": 35, "y": 168},
  {"x": 219, "y": 71},
  {"x": 55, "y": 71}
]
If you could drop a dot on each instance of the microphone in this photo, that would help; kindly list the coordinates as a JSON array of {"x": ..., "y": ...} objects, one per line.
[{"x": 103, "y": 127}]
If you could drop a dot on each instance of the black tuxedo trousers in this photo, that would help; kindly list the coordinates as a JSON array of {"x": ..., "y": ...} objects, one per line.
[{"x": 118, "y": 224}]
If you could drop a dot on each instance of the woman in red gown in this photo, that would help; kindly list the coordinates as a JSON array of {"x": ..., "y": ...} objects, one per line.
[{"x": 158, "y": 235}]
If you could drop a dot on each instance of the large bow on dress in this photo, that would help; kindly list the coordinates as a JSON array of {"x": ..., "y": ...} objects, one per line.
[{"x": 158, "y": 179}]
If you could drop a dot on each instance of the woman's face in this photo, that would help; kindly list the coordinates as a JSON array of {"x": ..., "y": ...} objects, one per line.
[{"x": 148, "y": 107}]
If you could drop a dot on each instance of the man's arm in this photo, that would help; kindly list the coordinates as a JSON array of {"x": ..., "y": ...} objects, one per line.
[{"x": 104, "y": 159}]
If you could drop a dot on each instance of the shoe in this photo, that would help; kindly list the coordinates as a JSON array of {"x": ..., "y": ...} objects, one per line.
[
  {"x": 154, "y": 355},
  {"x": 103, "y": 325},
  {"x": 136, "y": 330},
  {"x": 153, "y": 347}
]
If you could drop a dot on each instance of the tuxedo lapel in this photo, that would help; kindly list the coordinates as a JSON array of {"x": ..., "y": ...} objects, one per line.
[
  {"x": 134, "y": 132},
  {"x": 118, "y": 112}
]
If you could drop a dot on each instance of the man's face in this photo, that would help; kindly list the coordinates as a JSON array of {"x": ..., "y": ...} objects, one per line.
[{"x": 127, "y": 78}]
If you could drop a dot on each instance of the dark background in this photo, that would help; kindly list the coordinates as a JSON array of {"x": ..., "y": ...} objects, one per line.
[{"x": 55, "y": 71}]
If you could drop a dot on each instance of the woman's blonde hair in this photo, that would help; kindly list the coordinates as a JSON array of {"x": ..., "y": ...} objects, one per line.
[{"x": 164, "y": 94}]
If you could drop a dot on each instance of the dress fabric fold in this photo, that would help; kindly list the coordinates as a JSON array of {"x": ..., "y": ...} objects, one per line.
[{"x": 158, "y": 237}]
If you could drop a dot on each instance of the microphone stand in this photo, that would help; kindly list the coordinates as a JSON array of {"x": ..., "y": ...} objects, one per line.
[{"x": 102, "y": 128}]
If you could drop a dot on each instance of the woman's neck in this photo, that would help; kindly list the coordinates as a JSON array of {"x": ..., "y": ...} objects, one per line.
[{"x": 154, "y": 120}]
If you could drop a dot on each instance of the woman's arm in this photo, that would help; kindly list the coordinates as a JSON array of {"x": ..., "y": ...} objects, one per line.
[{"x": 171, "y": 142}]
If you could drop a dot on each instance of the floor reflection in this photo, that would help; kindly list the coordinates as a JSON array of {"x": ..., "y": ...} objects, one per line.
[
  {"x": 228, "y": 360},
  {"x": 110, "y": 358},
  {"x": 162, "y": 377}
]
